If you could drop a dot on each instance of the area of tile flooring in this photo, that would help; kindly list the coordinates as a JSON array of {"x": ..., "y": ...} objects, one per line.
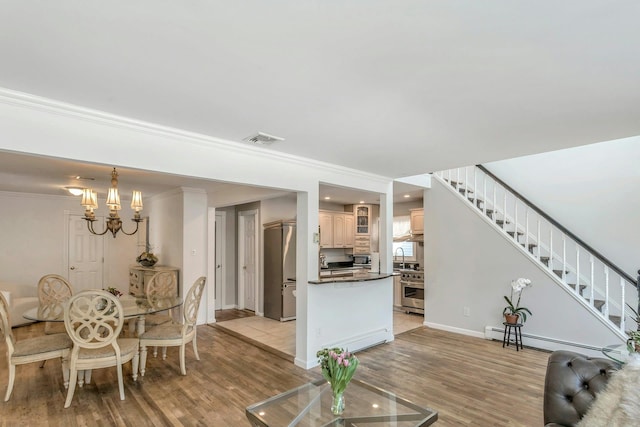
[{"x": 280, "y": 337}]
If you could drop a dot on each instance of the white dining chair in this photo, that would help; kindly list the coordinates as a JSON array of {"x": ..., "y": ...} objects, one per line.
[
  {"x": 176, "y": 335},
  {"x": 53, "y": 292},
  {"x": 93, "y": 319},
  {"x": 31, "y": 350}
]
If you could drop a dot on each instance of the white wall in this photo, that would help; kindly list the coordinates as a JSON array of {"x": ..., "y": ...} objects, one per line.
[
  {"x": 591, "y": 190},
  {"x": 33, "y": 239},
  {"x": 469, "y": 264}
]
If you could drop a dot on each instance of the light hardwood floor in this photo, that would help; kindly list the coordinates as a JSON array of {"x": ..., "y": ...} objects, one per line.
[{"x": 469, "y": 381}]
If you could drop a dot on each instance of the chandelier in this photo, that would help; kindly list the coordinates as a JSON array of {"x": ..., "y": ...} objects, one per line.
[{"x": 113, "y": 222}]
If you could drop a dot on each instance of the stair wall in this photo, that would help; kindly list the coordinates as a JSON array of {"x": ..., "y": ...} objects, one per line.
[{"x": 469, "y": 264}]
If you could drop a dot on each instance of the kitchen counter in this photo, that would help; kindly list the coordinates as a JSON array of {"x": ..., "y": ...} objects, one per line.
[{"x": 357, "y": 276}]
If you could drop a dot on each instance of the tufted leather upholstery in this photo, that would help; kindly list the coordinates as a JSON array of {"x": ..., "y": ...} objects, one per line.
[{"x": 571, "y": 383}]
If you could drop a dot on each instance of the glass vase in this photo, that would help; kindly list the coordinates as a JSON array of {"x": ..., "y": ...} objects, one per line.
[{"x": 337, "y": 403}]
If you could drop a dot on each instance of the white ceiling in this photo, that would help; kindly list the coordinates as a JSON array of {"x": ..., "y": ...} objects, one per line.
[{"x": 395, "y": 88}]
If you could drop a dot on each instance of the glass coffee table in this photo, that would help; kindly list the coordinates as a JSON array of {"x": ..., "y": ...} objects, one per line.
[{"x": 310, "y": 405}]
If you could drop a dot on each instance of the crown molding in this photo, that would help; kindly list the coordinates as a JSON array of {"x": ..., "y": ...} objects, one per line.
[{"x": 50, "y": 106}]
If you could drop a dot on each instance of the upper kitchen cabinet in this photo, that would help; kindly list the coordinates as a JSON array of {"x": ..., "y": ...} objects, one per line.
[
  {"x": 417, "y": 221},
  {"x": 363, "y": 219},
  {"x": 336, "y": 229}
]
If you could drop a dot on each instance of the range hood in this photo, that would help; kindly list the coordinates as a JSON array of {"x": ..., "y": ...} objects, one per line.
[{"x": 409, "y": 238}]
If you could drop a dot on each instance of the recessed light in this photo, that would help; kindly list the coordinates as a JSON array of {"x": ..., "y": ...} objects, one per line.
[
  {"x": 361, "y": 201},
  {"x": 327, "y": 198},
  {"x": 76, "y": 191},
  {"x": 406, "y": 196}
]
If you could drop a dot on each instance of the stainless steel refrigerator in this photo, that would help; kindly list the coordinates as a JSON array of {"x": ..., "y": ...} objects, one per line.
[{"x": 280, "y": 270}]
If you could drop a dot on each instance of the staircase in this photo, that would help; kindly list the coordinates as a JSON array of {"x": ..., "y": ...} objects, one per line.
[{"x": 594, "y": 281}]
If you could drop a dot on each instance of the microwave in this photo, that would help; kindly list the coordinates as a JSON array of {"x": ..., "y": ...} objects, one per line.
[{"x": 361, "y": 259}]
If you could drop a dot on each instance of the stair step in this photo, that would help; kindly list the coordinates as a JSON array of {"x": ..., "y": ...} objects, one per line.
[
  {"x": 532, "y": 246},
  {"x": 501, "y": 222},
  {"x": 545, "y": 260},
  {"x": 573, "y": 286},
  {"x": 465, "y": 190},
  {"x": 615, "y": 319},
  {"x": 511, "y": 233},
  {"x": 598, "y": 304},
  {"x": 559, "y": 272}
]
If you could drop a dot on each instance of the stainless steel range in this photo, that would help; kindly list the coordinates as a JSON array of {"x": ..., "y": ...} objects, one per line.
[{"x": 412, "y": 291}]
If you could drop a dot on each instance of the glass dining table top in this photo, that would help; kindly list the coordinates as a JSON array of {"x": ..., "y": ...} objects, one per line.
[
  {"x": 132, "y": 307},
  {"x": 310, "y": 405}
]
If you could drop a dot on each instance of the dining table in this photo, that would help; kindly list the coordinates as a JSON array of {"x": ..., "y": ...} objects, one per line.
[{"x": 133, "y": 308}]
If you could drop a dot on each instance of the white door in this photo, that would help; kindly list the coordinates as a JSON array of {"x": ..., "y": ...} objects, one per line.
[
  {"x": 85, "y": 256},
  {"x": 221, "y": 225},
  {"x": 247, "y": 259}
]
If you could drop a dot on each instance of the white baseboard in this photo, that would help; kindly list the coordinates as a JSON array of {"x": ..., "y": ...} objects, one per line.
[{"x": 455, "y": 330}]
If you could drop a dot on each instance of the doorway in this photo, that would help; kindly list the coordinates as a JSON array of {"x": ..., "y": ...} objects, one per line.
[
  {"x": 220, "y": 279},
  {"x": 248, "y": 259}
]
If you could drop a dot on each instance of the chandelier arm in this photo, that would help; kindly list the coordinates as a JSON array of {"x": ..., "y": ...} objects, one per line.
[
  {"x": 134, "y": 231},
  {"x": 90, "y": 227}
]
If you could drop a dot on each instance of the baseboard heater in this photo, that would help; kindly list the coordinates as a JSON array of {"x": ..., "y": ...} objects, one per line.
[
  {"x": 545, "y": 343},
  {"x": 363, "y": 341}
]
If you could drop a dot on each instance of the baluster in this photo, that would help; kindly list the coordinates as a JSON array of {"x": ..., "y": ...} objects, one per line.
[
  {"x": 577, "y": 268},
  {"x": 623, "y": 304},
  {"x": 550, "y": 263},
  {"x": 515, "y": 218},
  {"x": 495, "y": 210},
  {"x": 593, "y": 292},
  {"x": 526, "y": 229},
  {"x": 475, "y": 187},
  {"x": 605, "y": 312},
  {"x": 484, "y": 194},
  {"x": 504, "y": 209},
  {"x": 458, "y": 179},
  {"x": 449, "y": 173},
  {"x": 466, "y": 183},
  {"x": 564, "y": 256}
]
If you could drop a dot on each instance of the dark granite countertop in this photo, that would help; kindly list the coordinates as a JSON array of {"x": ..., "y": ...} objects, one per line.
[{"x": 358, "y": 276}]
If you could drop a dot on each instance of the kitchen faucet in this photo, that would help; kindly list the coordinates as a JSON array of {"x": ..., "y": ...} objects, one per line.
[{"x": 396, "y": 251}]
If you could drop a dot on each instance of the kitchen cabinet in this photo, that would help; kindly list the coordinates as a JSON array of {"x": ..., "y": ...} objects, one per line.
[
  {"x": 417, "y": 221},
  {"x": 397, "y": 292},
  {"x": 366, "y": 228},
  {"x": 336, "y": 229},
  {"x": 139, "y": 276}
]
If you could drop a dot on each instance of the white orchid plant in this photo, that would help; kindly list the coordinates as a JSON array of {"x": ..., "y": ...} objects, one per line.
[{"x": 517, "y": 287}]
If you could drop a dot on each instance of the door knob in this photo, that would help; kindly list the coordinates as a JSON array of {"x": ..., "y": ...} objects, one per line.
[
  {"x": 72, "y": 268},
  {"x": 218, "y": 266}
]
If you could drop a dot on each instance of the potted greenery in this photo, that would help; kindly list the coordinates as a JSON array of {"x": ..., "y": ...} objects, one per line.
[
  {"x": 512, "y": 312},
  {"x": 633, "y": 343}
]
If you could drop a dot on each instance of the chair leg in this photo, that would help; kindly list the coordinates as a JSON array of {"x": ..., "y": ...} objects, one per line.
[
  {"x": 65, "y": 371},
  {"x": 42, "y": 363},
  {"x": 120, "y": 381},
  {"x": 135, "y": 363},
  {"x": 155, "y": 351},
  {"x": 164, "y": 353},
  {"x": 195, "y": 347},
  {"x": 183, "y": 369},
  {"x": 12, "y": 377},
  {"x": 73, "y": 377},
  {"x": 143, "y": 359}
]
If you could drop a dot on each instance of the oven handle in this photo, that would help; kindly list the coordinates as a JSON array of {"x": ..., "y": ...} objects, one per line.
[{"x": 417, "y": 285}]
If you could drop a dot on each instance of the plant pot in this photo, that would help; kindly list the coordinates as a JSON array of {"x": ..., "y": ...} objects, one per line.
[{"x": 511, "y": 318}]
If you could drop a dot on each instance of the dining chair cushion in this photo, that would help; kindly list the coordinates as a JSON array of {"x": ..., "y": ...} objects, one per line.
[
  {"x": 127, "y": 346},
  {"x": 42, "y": 344},
  {"x": 163, "y": 332},
  {"x": 157, "y": 319}
]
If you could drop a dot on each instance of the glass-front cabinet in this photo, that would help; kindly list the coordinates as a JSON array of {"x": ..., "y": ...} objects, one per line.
[{"x": 363, "y": 219}]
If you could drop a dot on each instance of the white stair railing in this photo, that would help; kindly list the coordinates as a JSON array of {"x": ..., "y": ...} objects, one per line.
[{"x": 511, "y": 214}]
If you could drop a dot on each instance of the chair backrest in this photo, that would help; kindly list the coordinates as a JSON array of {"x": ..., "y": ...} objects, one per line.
[
  {"x": 53, "y": 292},
  {"x": 93, "y": 319},
  {"x": 192, "y": 301},
  {"x": 5, "y": 323},
  {"x": 162, "y": 284}
]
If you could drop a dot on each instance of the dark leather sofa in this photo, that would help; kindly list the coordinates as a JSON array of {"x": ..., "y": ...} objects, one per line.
[{"x": 571, "y": 383}]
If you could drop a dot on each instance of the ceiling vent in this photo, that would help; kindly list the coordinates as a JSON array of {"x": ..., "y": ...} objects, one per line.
[{"x": 262, "y": 139}]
